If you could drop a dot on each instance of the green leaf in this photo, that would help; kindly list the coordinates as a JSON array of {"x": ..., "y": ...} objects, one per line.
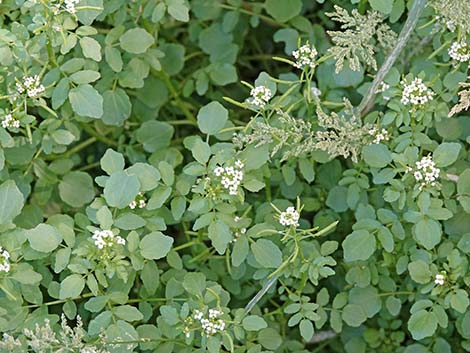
[
  {"x": 155, "y": 245},
  {"x": 25, "y": 274},
  {"x": 113, "y": 58},
  {"x": 44, "y": 238},
  {"x": 71, "y": 286},
  {"x": 112, "y": 161},
  {"x": 76, "y": 189},
  {"x": 336, "y": 199},
  {"x": 148, "y": 175},
  {"x": 306, "y": 329},
  {"x": 60, "y": 93},
  {"x": 85, "y": 76},
  {"x": 194, "y": 283},
  {"x": 116, "y": 107},
  {"x": 393, "y": 305},
  {"x": 446, "y": 154},
  {"x": 270, "y": 338},
  {"x": 459, "y": 300},
  {"x": 376, "y": 155},
  {"x": 422, "y": 324},
  {"x": 353, "y": 315},
  {"x": 86, "y": 101},
  {"x": 283, "y": 11},
  {"x": 201, "y": 151},
  {"x": 359, "y": 245},
  {"x": 88, "y": 10},
  {"x": 427, "y": 232},
  {"x": 178, "y": 10},
  {"x": 128, "y": 313},
  {"x": 150, "y": 277},
  {"x": 121, "y": 189},
  {"x": 173, "y": 61},
  {"x": 367, "y": 298},
  {"x": 136, "y": 40},
  {"x": 62, "y": 137},
  {"x": 384, "y": 6},
  {"x": 266, "y": 253},
  {"x": 154, "y": 135},
  {"x": 212, "y": 118},
  {"x": 220, "y": 236},
  {"x": 254, "y": 323},
  {"x": 11, "y": 202},
  {"x": 419, "y": 271},
  {"x": 240, "y": 251},
  {"x": 91, "y": 48},
  {"x": 129, "y": 221}
]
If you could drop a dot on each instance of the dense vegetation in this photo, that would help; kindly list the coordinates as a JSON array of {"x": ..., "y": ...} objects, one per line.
[{"x": 234, "y": 176}]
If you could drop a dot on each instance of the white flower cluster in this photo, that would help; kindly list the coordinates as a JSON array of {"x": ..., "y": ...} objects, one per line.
[
  {"x": 138, "y": 202},
  {"x": 290, "y": 217},
  {"x": 260, "y": 96},
  {"x": 106, "y": 238},
  {"x": 4, "y": 260},
  {"x": 439, "y": 279},
  {"x": 305, "y": 57},
  {"x": 460, "y": 51},
  {"x": 231, "y": 177},
  {"x": 70, "y": 6},
  {"x": 211, "y": 324},
  {"x": 31, "y": 85},
  {"x": 10, "y": 122},
  {"x": 378, "y": 136},
  {"x": 416, "y": 93},
  {"x": 425, "y": 172}
]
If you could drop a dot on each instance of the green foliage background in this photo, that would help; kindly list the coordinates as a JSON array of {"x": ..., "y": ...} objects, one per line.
[{"x": 142, "y": 100}]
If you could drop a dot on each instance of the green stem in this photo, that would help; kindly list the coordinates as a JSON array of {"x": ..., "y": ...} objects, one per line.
[
  {"x": 395, "y": 293},
  {"x": 164, "y": 76},
  {"x": 92, "y": 132},
  {"x": 74, "y": 150}
]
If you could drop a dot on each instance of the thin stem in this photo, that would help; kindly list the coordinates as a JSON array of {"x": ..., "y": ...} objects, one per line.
[
  {"x": 74, "y": 150},
  {"x": 164, "y": 76},
  {"x": 92, "y": 132},
  {"x": 395, "y": 293},
  {"x": 368, "y": 101}
]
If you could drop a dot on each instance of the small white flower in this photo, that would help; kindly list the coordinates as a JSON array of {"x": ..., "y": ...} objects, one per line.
[
  {"x": 305, "y": 57},
  {"x": 382, "y": 88},
  {"x": 139, "y": 202},
  {"x": 425, "y": 172},
  {"x": 70, "y": 6},
  {"x": 211, "y": 324},
  {"x": 290, "y": 217},
  {"x": 9, "y": 122},
  {"x": 31, "y": 85},
  {"x": 106, "y": 239},
  {"x": 439, "y": 279},
  {"x": 260, "y": 96},
  {"x": 231, "y": 177},
  {"x": 4, "y": 260},
  {"x": 416, "y": 93},
  {"x": 459, "y": 51},
  {"x": 379, "y": 136}
]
